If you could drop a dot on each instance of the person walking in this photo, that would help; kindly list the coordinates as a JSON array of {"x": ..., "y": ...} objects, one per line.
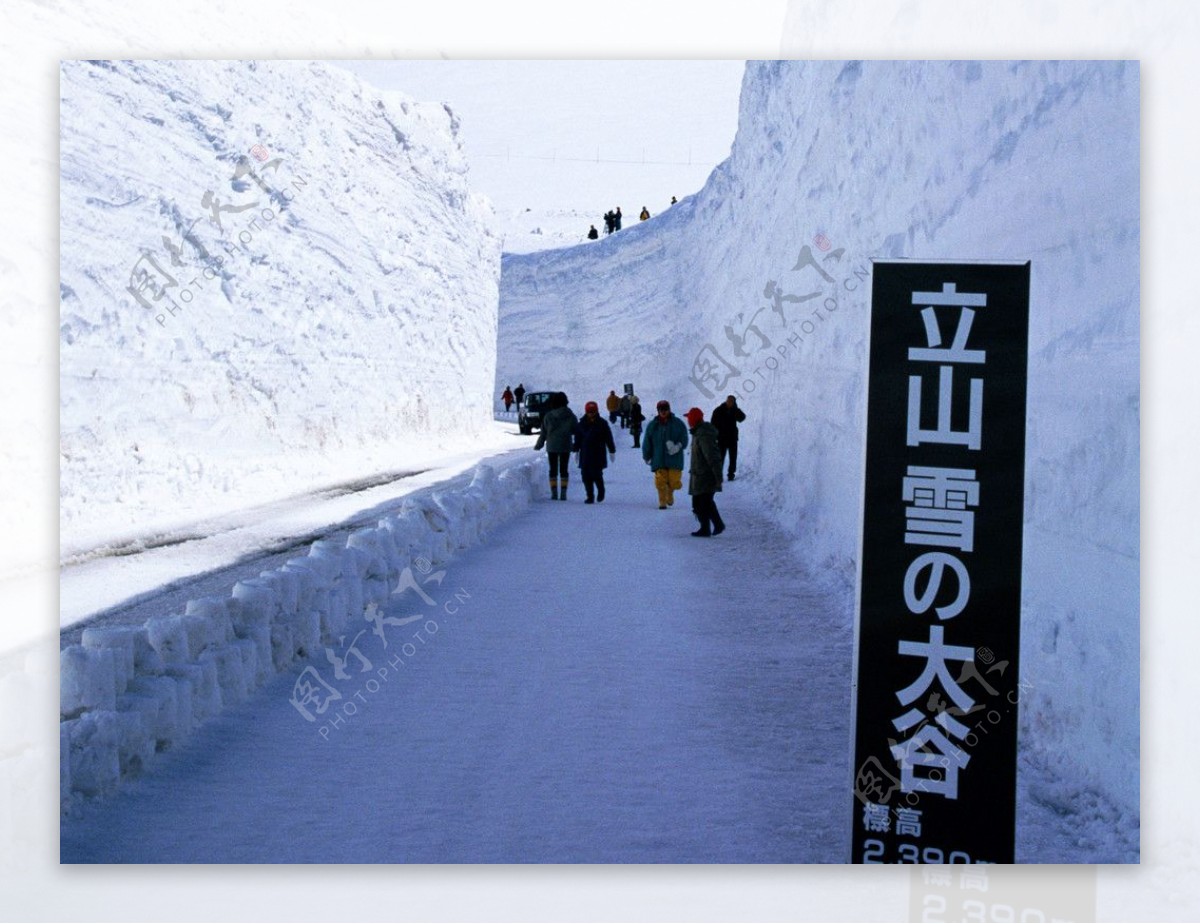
[
  {"x": 726, "y": 417},
  {"x": 704, "y": 474},
  {"x": 558, "y": 431},
  {"x": 611, "y": 403},
  {"x": 666, "y": 438},
  {"x": 519, "y": 394},
  {"x": 623, "y": 411},
  {"x": 645, "y": 214},
  {"x": 593, "y": 234},
  {"x": 593, "y": 436},
  {"x": 507, "y": 398},
  {"x": 636, "y": 418}
]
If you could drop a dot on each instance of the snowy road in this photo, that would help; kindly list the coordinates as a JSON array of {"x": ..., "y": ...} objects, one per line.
[{"x": 600, "y": 687}]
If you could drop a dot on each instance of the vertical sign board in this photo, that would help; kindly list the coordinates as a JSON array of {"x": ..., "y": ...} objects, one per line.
[{"x": 935, "y": 739}]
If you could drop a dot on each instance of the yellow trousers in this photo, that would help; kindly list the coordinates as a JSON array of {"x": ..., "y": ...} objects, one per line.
[{"x": 667, "y": 481}]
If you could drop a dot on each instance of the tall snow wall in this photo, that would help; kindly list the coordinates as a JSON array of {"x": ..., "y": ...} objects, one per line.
[
  {"x": 273, "y": 277},
  {"x": 759, "y": 286}
]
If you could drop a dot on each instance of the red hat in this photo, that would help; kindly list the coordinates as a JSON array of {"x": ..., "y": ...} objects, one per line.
[
  {"x": 694, "y": 416},
  {"x": 591, "y": 406}
]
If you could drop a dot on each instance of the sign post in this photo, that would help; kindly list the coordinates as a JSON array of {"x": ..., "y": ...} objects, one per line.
[{"x": 938, "y": 634}]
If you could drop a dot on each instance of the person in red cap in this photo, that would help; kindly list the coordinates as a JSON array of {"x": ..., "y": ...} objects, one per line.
[
  {"x": 593, "y": 436},
  {"x": 704, "y": 474},
  {"x": 662, "y": 448}
]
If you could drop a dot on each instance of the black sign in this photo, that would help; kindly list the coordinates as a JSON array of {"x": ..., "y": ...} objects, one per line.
[
  {"x": 938, "y": 636},
  {"x": 629, "y": 388}
]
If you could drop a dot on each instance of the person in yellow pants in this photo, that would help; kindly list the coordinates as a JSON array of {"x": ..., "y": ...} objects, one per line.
[{"x": 663, "y": 444}]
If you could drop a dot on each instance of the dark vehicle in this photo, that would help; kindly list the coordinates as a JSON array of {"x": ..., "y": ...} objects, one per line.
[{"x": 529, "y": 414}]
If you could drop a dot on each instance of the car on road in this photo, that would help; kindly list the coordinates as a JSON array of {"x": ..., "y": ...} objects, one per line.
[{"x": 533, "y": 406}]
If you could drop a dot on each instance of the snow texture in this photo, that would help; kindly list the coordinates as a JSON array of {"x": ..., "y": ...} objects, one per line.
[
  {"x": 332, "y": 283},
  {"x": 129, "y": 692},
  {"x": 837, "y": 163}
]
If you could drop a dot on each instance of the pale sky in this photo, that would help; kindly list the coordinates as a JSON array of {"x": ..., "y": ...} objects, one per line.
[{"x": 550, "y": 134}]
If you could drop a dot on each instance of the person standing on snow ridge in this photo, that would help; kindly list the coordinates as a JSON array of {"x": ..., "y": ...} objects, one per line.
[
  {"x": 507, "y": 398},
  {"x": 673, "y": 200},
  {"x": 593, "y": 436},
  {"x": 704, "y": 474},
  {"x": 558, "y": 430},
  {"x": 645, "y": 214},
  {"x": 593, "y": 233},
  {"x": 636, "y": 417},
  {"x": 666, "y": 438},
  {"x": 611, "y": 403},
  {"x": 617, "y": 219},
  {"x": 610, "y": 222},
  {"x": 725, "y": 418}
]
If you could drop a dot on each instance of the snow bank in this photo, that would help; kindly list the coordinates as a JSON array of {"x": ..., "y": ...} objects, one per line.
[
  {"x": 273, "y": 277},
  {"x": 128, "y": 692},
  {"x": 835, "y": 164}
]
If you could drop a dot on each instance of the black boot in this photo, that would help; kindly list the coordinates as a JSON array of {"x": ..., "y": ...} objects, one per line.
[
  {"x": 562, "y": 490},
  {"x": 553, "y": 489}
]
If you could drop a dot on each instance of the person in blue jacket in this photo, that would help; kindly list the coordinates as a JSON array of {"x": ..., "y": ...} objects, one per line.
[
  {"x": 594, "y": 443},
  {"x": 663, "y": 443}
]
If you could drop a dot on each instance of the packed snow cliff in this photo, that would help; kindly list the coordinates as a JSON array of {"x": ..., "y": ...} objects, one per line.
[
  {"x": 759, "y": 286},
  {"x": 273, "y": 278}
]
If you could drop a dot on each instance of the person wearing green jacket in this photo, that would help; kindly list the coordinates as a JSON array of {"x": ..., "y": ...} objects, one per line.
[
  {"x": 558, "y": 434},
  {"x": 704, "y": 474},
  {"x": 662, "y": 447}
]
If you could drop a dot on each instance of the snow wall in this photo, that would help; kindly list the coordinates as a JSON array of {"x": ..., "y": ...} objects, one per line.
[
  {"x": 273, "y": 277},
  {"x": 837, "y": 163},
  {"x": 129, "y": 692}
]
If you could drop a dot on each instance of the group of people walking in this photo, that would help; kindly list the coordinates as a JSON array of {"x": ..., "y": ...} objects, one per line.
[
  {"x": 666, "y": 437},
  {"x": 510, "y": 397}
]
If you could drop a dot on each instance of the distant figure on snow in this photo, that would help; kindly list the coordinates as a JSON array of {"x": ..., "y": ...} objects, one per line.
[
  {"x": 704, "y": 474},
  {"x": 558, "y": 431},
  {"x": 593, "y": 436},
  {"x": 666, "y": 438},
  {"x": 673, "y": 200},
  {"x": 611, "y": 403},
  {"x": 593, "y": 233},
  {"x": 726, "y": 417},
  {"x": 623, "y": 411},
  {"x": 617, "y": 219},
  {"x": 636, "y": 418},
  {"x": 519, "y": 394},
  {"x": 610, "y": 222},
  {"x": 645, "y": 214},
  {"x": 507, "y": 398}
]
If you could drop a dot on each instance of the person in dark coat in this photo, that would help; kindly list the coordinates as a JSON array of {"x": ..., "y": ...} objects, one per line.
[
  {"x": 519, "y": 393},
  {"x": 704, "y": 474},
  {"x": 558, "y": 432},
  {"x": 623, "y": 411},
  {"x": 593, "y": 436},
  {"x": 593, "y": 233},
  {"x": 507, "y": 398},
  {"x": 617, "y": 219},
  {"x": 636, "y": 418},
  {"x": 610, "y": 222},
  {"x": 726, "y": 417}
]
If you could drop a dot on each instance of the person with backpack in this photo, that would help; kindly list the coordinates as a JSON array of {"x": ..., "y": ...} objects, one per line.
[
  {"x": 636, "y": 418},
  {"x": 704, "y": 474},
  {"x": 666, "y": 438},
  {"x": 558, "y": 431},
  {"x": 645, "y": 214},
  {"x": 593, "y": 437}
]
